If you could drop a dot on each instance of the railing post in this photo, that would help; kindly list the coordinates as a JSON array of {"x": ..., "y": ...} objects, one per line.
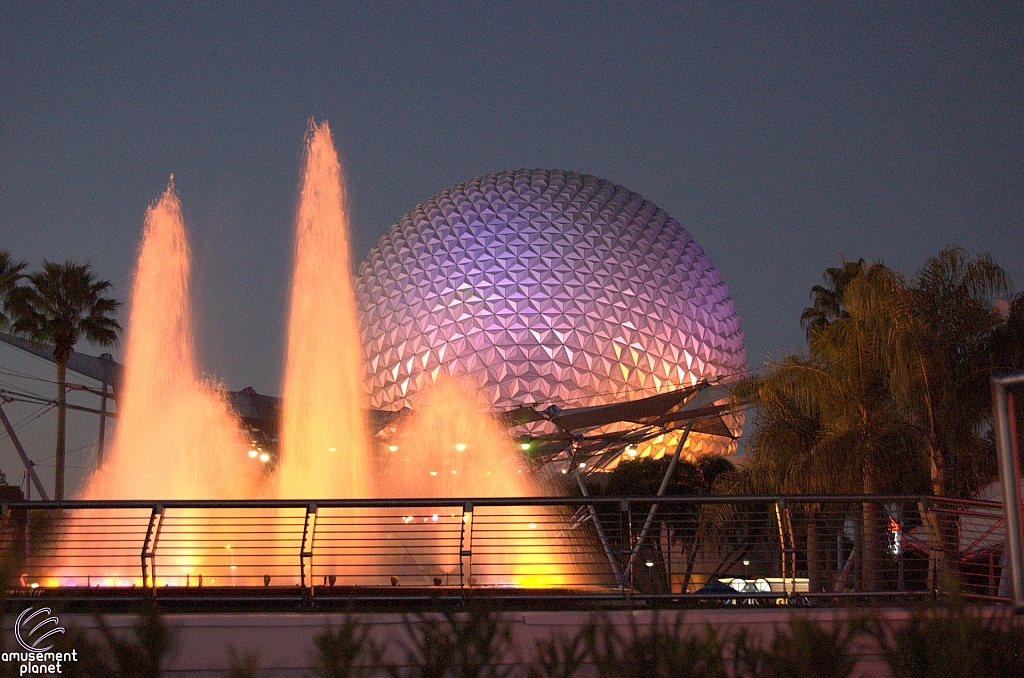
[
  {"x": 306, "y": 552},
  {"x": 156, "y": 519},
  {"x": 466, "y": 547}
]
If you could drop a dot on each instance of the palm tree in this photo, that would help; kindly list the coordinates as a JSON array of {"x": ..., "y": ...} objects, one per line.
[
  {"x": 827, "y": 303},
  {"x": 61, "y": 304},
  {"x": 941, "y": 360},
  {"x": 10, "y": 274},
  {"x": 827, "y": 419},
  {"x": 892, "y": 387}
]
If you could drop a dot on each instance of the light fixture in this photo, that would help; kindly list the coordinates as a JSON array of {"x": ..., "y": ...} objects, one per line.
[
  {"x": 433, "y": 473},
  {"x": 253, "y": 454},
  {"x": 460, "y": 447},
  {"x": 583, "y": 464},
  {"x": 264, "y": 457},
  {"x": 631, "y": 451},
  {"x": 649, "y": 563},
  {"x": 524, "y": 446},
  {"x": 392, "y": 448}
]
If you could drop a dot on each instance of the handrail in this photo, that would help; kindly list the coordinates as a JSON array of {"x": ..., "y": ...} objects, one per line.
[
  {"x": 454, "y": 502},
  {"x": 316, "y": 551}
]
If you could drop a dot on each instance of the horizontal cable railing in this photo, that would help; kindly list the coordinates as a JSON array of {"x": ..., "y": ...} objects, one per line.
[{"x": 785, "y": 549}]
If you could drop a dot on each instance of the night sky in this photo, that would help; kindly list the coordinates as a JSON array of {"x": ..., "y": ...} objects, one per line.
[{"x": 783, "y": 137}]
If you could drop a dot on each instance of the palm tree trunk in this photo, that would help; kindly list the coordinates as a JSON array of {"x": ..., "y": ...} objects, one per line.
[
  {"x": 813, "y": 550},
  {"x": 869, "y": 533},
  {"x": 58, "y": 482}
]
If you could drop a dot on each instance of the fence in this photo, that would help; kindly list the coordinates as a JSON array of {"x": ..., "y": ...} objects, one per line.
[{"x": 745, "y": 549}]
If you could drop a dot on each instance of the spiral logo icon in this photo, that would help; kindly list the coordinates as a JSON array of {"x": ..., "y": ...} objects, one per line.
[{"x": 41, "y": 629}]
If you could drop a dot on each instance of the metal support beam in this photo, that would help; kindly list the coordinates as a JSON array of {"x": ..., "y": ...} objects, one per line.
[
  {"x": 29, "y": 465},
  {"x": 661, "y": 492},
  {"x": 1009, "y": 474},
  {"x": 101, "y": 442},
  {"x": 601, "y": 535}
]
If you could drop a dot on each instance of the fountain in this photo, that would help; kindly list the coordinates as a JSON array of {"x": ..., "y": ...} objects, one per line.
[
  {"x": 451, "y": 447},
  {"x": 325, "y": 449},
  {"x": 177, "y": 439},
  {"x": 176, "y": 435}
]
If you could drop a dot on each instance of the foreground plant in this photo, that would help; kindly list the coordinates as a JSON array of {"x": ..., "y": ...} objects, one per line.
[
  {"x": 803, "y": 649},
  {"x": 654, "y": 651},
  {"x": 140, "y": 653},
  {"x": 346, "y": 651},
  {"x": 955, "y": 642},
  {"x": 468, "y": 644}
]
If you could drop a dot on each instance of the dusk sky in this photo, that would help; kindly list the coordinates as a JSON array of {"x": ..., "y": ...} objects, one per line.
[{"x": 783, "y": 137}]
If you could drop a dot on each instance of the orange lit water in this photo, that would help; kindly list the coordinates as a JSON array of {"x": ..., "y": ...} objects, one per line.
[
  {"x": 178, "y": 439},
  {"x": 451, "y": 447},
  {"x": 176, "y": 436},
  {"x": 324, "y": 445}
]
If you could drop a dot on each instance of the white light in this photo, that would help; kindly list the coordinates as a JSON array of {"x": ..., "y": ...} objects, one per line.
[
  {"x": 407, "y": 519},
  {"x": 332, "y": 449},
  {"x": 460, "y": 447},
  {"x": 746, "y": 562},
  {"x": 583, "y": 464},
  {"x": 227, "y": 546},
  {"x": 234, "y": 567},
  {"x": 454, "y": 472},
  {"x": 253, "y": 454},
  {"x": 533, "y": 526},
  {"x": 433, "y": 473},
  {"x": 33, "y": 585},
  {"x": 524, "y": 446},
  {"x": 264, "y": 457},
  {"x": 631, "y": 451},
  {"x": 649, "y": 563},
  {"x": 565, "y": 470},
  {"x": 434, "y": 517},
  {"x": 393, "y": 448}
]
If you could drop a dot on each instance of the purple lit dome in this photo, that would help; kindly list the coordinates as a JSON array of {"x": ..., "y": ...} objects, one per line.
[{"x": 544, "y": 287}]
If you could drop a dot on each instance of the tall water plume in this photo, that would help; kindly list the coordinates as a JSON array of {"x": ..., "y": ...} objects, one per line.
[
  {"x": 176, "y": 436},
  {"x": 325, "y": 451}
]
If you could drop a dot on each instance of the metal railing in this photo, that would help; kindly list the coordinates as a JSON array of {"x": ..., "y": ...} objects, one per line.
[{"x": 773, "y": 549}]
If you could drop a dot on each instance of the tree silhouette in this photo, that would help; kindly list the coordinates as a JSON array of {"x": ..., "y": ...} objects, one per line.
[{"x": 62, "y": 303}]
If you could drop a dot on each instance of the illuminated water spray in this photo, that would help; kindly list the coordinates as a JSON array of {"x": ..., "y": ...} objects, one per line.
[
  {"x": 176, "y": 436},
  {"x": 324, "y": 447},
  {"x": 451, "y": 447}
]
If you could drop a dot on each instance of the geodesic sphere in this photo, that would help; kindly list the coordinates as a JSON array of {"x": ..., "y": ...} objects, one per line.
[{"x": 545, "y": 287}]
